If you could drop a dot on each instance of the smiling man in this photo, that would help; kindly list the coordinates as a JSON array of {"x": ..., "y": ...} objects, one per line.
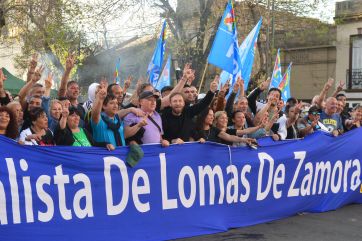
[{"x": 177, "y": 119}]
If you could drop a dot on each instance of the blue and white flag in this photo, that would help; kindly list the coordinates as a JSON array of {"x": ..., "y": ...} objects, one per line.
[
  {"x": 225, "y": 49},
  {"x": 165, "y": 78},
  {"x": 247, "y": 53},
  {"x": 154, "y": 67}
]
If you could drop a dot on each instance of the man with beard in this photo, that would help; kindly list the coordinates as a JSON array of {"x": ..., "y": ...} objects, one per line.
[{"x": 177, "y": 119}]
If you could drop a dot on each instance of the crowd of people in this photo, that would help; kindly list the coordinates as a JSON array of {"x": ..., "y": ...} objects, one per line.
[{"x": 172, "y": 115}]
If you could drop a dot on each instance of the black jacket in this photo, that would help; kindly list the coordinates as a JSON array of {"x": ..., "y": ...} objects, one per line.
[{"x": 65, "y": 137}]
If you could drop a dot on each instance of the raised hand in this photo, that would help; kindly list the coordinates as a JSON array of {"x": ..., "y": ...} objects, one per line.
[
  {"x": 329, "y": 83},
  {"x": 37, "y": 74},
  {"x": 265, "y": 84},
  {"x": 102, "y": 93},
  {"x": 225, "y": 87},
  {"x": 2, "y": 76},
  {"x": 103, "y": 82},
  {"x": 33, "y": 62},
  {"x": 340, "y": 86},
  {"x": 188, "y": 73},
  {"x": 213, "y": 86},
  {"x": 298, "y": 107},
  {"x": 69, "y": 63},
  {"x": 49, "y": 81},
  {"x": 127, "y": 83},
  {"x": 65, "y": 112}
]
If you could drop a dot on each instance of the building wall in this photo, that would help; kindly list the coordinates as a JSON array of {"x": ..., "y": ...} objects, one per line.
[
  {"x": 311, "y": 69},
  {"x": 344, "y": 31}
]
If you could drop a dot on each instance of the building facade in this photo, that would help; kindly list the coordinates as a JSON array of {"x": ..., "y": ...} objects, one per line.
[{"x": 348, "y": 18}]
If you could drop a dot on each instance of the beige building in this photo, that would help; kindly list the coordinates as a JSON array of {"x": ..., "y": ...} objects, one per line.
[
  {"x": 348, "y": 19},
  {"x": 312, "y": 66}
]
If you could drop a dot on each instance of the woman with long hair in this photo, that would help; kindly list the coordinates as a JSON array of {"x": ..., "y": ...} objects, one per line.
[
  {"x": 205, "y": 131},
  {"x": 8, "y": 123}
]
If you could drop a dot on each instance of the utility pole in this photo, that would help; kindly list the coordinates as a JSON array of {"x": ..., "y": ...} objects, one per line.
[{"x": 267, "y": 40}]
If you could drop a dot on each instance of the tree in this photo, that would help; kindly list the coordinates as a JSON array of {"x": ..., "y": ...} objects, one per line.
[{"x": 48, "y": 27}]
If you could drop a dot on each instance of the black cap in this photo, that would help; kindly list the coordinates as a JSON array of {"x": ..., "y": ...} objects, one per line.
[
  {"x": 147, "y": 94},
  {"x": 314, "y": 109}
]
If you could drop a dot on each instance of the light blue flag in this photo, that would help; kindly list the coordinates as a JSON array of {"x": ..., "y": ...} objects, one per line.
[
  {"x": 247, "y": 53},
  {"x": 154, "y": 67},
  {"x": 284, "y": 85},
  {"x": 165, "y": 78},
  {"x": 277, "y": 72},
  {"x": 225, "y": 49}
]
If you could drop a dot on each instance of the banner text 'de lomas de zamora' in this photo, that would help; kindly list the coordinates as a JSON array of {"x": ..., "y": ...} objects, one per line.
[{"x": 68, "y": 193}]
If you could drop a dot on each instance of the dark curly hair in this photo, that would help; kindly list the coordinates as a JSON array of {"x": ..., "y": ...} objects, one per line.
[{"x": 12, "y": 128}]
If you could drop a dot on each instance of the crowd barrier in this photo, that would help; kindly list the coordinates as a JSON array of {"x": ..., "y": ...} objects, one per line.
[{"x": 74, "y": 194}]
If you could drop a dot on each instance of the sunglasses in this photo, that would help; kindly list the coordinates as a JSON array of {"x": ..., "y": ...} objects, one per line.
[{"x": 316, "y": 113}]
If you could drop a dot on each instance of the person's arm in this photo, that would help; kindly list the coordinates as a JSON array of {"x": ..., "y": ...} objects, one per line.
[
  {"x": 230, "y": 103},
  {"x": 231, "y": 138},
  {"x": 205, "y": 102},
  {"x": 124, "y": 112},
  {"x": 339, "y": 88},
  {"x": 292, "y": 121},
  {"x": 2, "y": 79},
  {"x": 261, "y": 114},
  {"x": 97, "y": 105},
  {"x": 69, "y": 64},
  {"x": 323, "y": 94},
  {"x": 26, "y": 88},
  {"x": 248, "y": 130},
  {"x": 253, "y": 96},
  {"x": 130, "y": 131},
  {"x": 48, "y": 85},
  {"x": 188, "y": 74},
  {"x": 32, "y": 65},
  {"x": 63, "y": 119},
  {"x": 308, "y": 129}
]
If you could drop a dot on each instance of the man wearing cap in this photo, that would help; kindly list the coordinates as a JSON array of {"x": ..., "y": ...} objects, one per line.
[
  {"x": 150, "y": 124},
  {"x": 311, "y": 122}
]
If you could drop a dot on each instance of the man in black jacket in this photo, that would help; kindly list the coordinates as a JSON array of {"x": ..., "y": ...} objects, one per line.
[{"x": 177, "y": 119}]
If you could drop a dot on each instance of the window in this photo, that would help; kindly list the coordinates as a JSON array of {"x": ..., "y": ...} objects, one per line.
[{"x": 355, "y": 65}]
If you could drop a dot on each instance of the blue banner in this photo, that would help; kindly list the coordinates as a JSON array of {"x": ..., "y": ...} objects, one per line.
[{"x": 69, "y": 193}]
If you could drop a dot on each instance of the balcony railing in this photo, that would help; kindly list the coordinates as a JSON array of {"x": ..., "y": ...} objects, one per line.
[{"x": 355, "y": 83}]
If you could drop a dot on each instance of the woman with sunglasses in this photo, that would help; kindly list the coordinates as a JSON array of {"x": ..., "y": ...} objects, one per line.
[{"x": 68, "y": 132}]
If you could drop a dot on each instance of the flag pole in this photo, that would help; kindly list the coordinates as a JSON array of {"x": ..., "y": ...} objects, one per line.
[{"x": 203, "y": 76}]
